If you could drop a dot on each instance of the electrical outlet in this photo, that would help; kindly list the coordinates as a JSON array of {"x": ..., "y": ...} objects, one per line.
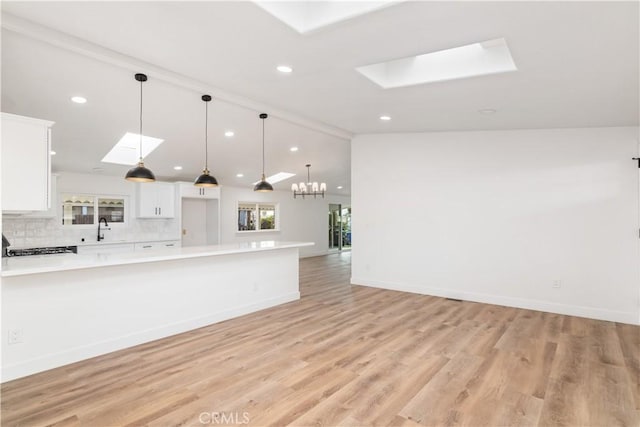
[
  {"x": 556, "y": 284},
  {"x": 15, "y": 336}
]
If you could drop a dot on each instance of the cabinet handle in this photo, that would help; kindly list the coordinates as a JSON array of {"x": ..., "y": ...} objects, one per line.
[
  {"x": 160, "y": 211},
  {"x": 170, "y": 244},
  {"x": 146, "y": 246}
]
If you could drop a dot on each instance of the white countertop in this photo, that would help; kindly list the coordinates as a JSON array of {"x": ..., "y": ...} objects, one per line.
[
  {"x": 19, "y": 266},
  {"x": 94, "y": 242}
]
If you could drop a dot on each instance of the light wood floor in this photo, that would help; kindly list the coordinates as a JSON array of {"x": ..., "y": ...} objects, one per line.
[{"x": 353, "y": 356}]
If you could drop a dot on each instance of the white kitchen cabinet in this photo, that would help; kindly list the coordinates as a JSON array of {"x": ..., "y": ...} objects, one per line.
[
  {"x": 52, "y": 212},
  {"x": 155, "y": 200},
  {"x": 26, "y": 164},
  {"x": 106, "y": 248},
  {"x": 190, "y": 191},
  {"x": 167, "y": 244}
]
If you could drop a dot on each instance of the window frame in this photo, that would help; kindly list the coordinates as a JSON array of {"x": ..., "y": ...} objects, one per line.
[
  {"x": 256, "y": 206},
  {"x": 96, "y": 209}
]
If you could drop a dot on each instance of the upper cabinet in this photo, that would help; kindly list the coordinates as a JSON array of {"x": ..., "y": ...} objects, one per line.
[
  {"x": 190, "y": 191},
  {"x": 155, "y": 200},
  {"x": 52, "y": 212},
  {"x": 26, "y": 164}
]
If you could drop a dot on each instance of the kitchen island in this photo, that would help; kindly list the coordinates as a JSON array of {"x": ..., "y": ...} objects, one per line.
[{"x": 99, "y": 303}]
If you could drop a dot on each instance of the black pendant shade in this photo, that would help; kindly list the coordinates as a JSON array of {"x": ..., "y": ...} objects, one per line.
[
  {"x": 140, "y": 173},
  {"x": 263, "y": 186},
  {"x": 206, "y": 179}
]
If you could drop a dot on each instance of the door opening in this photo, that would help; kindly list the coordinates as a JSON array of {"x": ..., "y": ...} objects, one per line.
[
  {"x": 339, "y": 227},
  {"x": 200, "y": 225}
]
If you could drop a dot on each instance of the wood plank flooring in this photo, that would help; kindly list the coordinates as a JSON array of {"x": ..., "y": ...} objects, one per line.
[{"x": 353, "y": 356}]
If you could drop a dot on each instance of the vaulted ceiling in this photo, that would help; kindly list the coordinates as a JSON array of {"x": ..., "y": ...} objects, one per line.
[{"x": 577, "y": 65}]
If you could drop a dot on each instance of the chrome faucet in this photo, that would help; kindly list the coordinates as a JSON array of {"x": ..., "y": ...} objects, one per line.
[{"x": 101, "y": 237}]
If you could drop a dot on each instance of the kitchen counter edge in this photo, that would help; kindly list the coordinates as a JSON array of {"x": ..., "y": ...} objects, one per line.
[{"x": 20, "y": 266}]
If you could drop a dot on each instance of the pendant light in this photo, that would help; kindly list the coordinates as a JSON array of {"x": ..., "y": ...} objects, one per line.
[
  {"x": 206, "y": 180},
  {"x": 263, "y": 186},
  {"x": 140, "y": 173}
]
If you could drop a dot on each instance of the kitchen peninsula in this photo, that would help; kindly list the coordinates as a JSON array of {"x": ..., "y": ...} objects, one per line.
[{"x": 72, "y": 307}]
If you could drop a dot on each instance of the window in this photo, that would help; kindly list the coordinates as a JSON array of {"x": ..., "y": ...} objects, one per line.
[
  {"x": 257, "y": 216},
  {"x": 78, "y": 210},
  {"x": 111, "y": 209},
  {"x": 88, "y": 209}
]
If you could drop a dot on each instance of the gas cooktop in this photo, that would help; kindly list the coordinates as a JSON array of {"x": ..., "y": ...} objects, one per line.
[{"x": 43, "y": 251}]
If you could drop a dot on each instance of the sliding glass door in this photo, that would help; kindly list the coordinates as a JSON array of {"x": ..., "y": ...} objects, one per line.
[{"x": 339, "y": 227}]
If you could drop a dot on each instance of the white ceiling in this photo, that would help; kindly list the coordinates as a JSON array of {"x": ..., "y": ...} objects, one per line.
[{"x": 578, "y": 65}]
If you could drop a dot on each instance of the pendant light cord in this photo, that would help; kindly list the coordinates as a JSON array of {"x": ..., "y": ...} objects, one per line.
[
  {"x": 140, "y": 121},
  {"x": 206, "y": 136},
  {"x": 263, "y": 149},
  {"x": 308, "y": 174}
]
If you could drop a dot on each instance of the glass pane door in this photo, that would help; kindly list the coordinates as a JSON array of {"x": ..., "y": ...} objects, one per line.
[
  {"x": 346, "y": 227},
  {"x": 335, "y": 224}
]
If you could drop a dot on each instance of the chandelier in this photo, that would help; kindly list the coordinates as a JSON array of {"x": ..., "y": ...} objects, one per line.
[{"x": 310, "y": 188}]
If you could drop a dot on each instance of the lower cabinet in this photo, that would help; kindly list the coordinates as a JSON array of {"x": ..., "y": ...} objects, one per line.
[
  {"x": 105, "y": 248},
  {"x": 116, "y": 248},
  {"x": 167, "y": 244}
]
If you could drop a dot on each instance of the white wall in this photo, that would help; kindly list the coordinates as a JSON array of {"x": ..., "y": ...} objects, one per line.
[
  {"x": 300, "y": 220},
  {"x": 499, "y": 216}
]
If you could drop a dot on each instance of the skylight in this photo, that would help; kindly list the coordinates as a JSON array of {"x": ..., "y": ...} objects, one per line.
[
  {"x": 305, "y": 16},
  {"x": 127, "y": 150},
  {"x": 478, "y": 59},
  {"x": 280, "y": 176}
]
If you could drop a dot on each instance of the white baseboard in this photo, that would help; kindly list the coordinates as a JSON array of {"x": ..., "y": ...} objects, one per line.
[
  {"x": 55, "y": 360},
  {"x": 550, "y": 307},
  {"x": 312, "y": 254}
]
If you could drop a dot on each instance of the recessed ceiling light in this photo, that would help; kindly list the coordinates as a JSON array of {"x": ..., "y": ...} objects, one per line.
[
  {"x": 339, "y": 187},
  {"x": 79, "y": 99},
  {"x": 229, "y": 133},
  {"x": 239, "y": 175},
  {"x": 294, "y": 149},
  {"x": 53, "y": 153},
  {"x": 284, "y": 69},
  {"x": 177, "y": 168},
  {"x": 487, "y": 111},
  {"x": 385, "y": 118}
]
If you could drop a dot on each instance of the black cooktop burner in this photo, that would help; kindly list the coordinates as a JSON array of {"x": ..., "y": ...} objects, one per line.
[{"x": 43, "y": 251}]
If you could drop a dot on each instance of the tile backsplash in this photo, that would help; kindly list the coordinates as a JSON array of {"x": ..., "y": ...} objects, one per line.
[{"x": 23, "y": 232}]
